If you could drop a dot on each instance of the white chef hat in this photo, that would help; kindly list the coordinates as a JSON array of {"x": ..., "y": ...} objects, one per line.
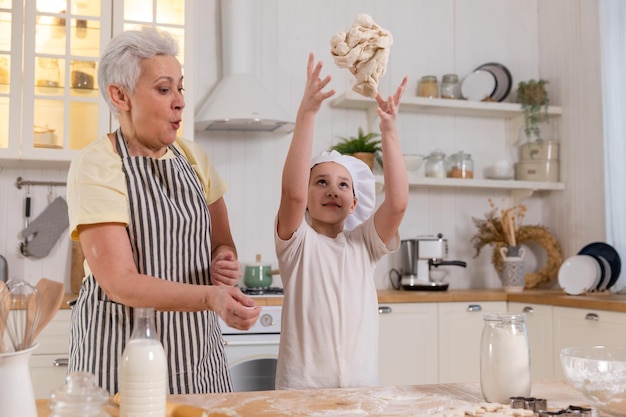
[{"x": 363, "y": 184}]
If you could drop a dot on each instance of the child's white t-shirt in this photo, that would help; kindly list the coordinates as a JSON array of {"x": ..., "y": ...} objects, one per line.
[{"x": 329, "y": 329}]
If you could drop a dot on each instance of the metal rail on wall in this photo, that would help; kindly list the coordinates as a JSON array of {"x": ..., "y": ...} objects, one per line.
[{"x": 20, "y": 182}]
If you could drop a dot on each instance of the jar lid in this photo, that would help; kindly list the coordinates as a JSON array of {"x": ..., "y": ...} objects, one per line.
[
  {"x": 450, "y": 78},
  {"x": 437, "y": 153},
  {"x": 429, "y": 78},
  {"x": 505, "y": 317}
]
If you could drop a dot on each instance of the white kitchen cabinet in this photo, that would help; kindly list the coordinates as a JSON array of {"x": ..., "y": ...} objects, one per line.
[
  {"x": 460, "y": 330},
  {"x": 56, "y": 86},
  {"x": 408, "y": 343},
  {"x": 539, "y": 329},
  {"x": 582, "y": 327},
  {"x": 48, "y": 364}
]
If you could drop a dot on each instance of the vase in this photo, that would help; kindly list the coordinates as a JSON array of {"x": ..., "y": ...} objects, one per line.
[
  {"x": 17, "y": 395},
  {"x": 367, "y": 157},
  {"x": 512, "y": 275}
]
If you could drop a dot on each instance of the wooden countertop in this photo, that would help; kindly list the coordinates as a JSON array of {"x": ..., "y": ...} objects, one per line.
[
  {"x": 389, "y": 401},
  {"x": 592, "y": 301}
]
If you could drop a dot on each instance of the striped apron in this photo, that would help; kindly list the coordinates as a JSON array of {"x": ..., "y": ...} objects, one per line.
[{"x": 169, "y": 232}]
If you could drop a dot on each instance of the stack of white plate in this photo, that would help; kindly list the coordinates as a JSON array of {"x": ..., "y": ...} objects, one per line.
[{"x": 596, "y": 267}]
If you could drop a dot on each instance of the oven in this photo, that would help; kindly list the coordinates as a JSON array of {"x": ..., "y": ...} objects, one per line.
[{"x": 252, "y": 354}]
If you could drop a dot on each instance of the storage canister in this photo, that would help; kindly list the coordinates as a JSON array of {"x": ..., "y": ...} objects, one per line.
[
  {"x": 79, "y": 397},
  {"x": 461, "y": 165},
  {"x": 428, "y": 87},
  {"x": 450, "y": 87},
  {"x": 436, "y": 164},
  {"x": 504, "y": 357}
]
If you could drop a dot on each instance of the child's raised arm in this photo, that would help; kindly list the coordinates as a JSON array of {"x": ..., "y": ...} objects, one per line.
[
  {"x": 391, "y": 211},
  {"x": 293, "y": 200}
]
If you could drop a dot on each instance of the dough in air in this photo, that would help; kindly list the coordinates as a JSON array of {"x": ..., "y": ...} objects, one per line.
[{"x": 364, "y": 50}]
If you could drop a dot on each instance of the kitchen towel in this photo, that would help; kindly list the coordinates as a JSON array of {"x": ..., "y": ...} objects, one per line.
[{"x": 42, "y": 233}]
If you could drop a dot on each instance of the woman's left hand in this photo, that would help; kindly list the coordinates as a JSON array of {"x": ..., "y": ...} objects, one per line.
[{"x": 225, "y": 269}]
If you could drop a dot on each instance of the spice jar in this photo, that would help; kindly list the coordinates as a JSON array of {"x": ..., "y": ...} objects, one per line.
[
  {"x": 436, "y": 164},
  {"x": 461, "y": 165},
  {"x": 428, "y": 87},
  {"x": 504, "y": 357},
  {"x": 450, "y": 86}
]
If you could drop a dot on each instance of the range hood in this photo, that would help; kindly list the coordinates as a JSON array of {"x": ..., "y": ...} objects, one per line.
[{"x": 240, "y": 102}]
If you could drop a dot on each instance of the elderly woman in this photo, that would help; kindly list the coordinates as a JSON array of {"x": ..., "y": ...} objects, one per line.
[{"x": 149, "y": 212}]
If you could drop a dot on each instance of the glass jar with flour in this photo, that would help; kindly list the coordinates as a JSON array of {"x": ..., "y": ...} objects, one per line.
[{"x": 504, "y": 357}]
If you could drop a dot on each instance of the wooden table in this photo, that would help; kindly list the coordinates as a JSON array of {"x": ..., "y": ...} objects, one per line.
[{"x": 413, "y": 400}]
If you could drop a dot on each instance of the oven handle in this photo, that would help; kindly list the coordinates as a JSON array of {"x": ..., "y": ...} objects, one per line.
[{"x": 258, "y": 343}]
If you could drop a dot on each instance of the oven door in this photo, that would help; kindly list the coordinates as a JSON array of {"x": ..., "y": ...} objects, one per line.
[{"x": 252, "y": 360}]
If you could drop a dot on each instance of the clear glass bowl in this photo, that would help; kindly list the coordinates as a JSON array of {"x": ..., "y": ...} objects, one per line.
[{"x": 599, "y": 373}]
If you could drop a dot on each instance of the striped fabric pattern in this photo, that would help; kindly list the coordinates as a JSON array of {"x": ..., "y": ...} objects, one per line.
[{"x": 169, "y": 232}]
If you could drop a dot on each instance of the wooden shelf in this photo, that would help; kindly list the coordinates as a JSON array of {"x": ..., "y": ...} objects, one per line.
[
  {"x": 482, "y": 183},
  {"x": 519, "y": 189},
  {"x": 438, "y": 106}
]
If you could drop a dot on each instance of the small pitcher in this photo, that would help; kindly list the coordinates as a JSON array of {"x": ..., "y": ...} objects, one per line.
[
  {"x": 512, "y": 274},
  {"x": 17, "y": 396}
]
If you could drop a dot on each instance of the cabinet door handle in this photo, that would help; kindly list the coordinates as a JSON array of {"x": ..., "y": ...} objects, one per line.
[
  {"x": 528, "y": 309},
  {"x": 60, "y": 362},
  {"x": 473, "y": 308},
  {"x": 384, "y": 310},
  {"x": 592, "y": 317}
]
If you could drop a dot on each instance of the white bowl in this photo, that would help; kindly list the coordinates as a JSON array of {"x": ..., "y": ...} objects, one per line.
[
  {"x": 413, "y": 162},
  {"x": 599, "y": 373}
]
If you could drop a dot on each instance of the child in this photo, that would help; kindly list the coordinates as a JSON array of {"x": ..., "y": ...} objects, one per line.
[{"x": 329, "y": 335}]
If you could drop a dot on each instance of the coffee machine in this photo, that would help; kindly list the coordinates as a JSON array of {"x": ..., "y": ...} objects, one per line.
[{"x": 418, "y": 257}]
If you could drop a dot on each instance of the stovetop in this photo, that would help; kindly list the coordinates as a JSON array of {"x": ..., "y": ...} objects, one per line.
[{"x": 269, "y": 291}]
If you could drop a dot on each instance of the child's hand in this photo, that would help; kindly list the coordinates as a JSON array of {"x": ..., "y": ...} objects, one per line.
[
  {"x": 313, "y": 95},
  {"x": 388, "y": 110}
]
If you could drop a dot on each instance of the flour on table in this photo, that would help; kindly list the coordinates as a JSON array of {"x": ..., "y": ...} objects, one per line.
[
  {"x": 364, "y": 50},
  {"x": 483, "y": 409}
]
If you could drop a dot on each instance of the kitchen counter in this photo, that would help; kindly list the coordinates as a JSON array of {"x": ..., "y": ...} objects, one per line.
[
  {"x": 593, "y": 301},
  {"x": 414, "y": 400}
]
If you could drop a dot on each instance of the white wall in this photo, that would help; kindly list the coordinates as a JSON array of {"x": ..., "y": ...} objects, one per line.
[{"x": 430, "y": 37}]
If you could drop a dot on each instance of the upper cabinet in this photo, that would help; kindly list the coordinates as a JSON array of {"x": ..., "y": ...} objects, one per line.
[{"x": 50, "y": 106}]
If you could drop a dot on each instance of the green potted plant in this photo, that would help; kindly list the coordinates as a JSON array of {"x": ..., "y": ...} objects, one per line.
[
  {"x": 363, "y": 146},
  {"x": 538, "y": 155},
  {"x": 533, "y": 97}
]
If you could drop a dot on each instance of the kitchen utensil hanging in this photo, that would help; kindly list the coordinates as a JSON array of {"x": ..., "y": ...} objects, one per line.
[
  {"x": 27, "y": 203},
  {"x": 51, "y": 222}
]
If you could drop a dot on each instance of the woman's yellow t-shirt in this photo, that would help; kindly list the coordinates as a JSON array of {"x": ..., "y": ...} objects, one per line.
[{"x": 96, "y": 183}]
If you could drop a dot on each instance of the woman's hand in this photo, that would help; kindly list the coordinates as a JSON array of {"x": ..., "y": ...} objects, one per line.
[
  {"x": 225, "y": 269},
  {"x": 234, "y": 307}
]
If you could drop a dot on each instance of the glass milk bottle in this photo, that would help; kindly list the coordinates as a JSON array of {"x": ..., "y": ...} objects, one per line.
[
  {"x": 504, "y": 357},
  {"x": 143, "y": 370}
]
